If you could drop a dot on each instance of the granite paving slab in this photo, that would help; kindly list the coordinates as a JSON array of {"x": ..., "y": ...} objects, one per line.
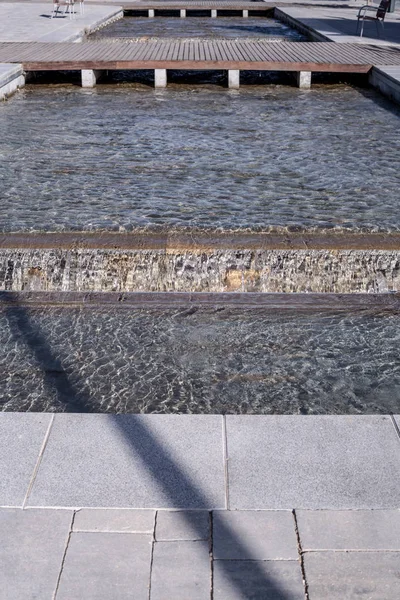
[
  {"x": 32, "y": 546},
  {"x": 349, "y": 529},
  {"x": 106, "y": 566},
  {"x": 115, "y": 520},
  {"x": 132, "y": 461},
  {"x": 335, "y": 462},
  {"x": 21, "y": 438},
  {"x": 181, "y": 571},
  {"x": 259, "y": 535},
  {"x": 260, "y": 580},
  {"x": 349, "y": 575},
  {"x": 182, "y": 525}
]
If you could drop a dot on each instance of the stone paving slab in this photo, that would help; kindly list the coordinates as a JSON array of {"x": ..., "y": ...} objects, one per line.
[
  {"x": 181, "y": 571},
  {"x": 258, "y": 580},
  {"x": 28, "y": 22},
  {"x": 21, "y": 438},
  {"x": 259, "y": 535},
  {"x": 132, "y": 461},
  {"x": 349, "y": 529},
  {"x": 32, "y": 545},
  {"x": 336, "y": 462},
  {"x": 106, "y": 566},
  {"x": 115, "y": 520},
  {"x": 182, "y": 525},
  {"x": 118, "y": 564},
  {"x": 349, "y": 575}
]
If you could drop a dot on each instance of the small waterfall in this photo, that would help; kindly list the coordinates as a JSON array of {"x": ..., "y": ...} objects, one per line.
[{"x": 192, "y": 270}]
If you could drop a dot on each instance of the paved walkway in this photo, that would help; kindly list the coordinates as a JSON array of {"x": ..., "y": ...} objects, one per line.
[
  {"x": 339, "y": 24},
  {"x": 104, "y": 554},
  {"x": 27, "y": 22},
  {"x": 198, "y": 507}
]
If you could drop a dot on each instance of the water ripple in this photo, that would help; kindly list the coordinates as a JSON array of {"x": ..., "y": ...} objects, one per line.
[
  {"x": 193, "y": 360},
  {"x": 122, "y": 157}
]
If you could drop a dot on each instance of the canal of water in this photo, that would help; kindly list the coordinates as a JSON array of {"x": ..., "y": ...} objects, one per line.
[
  {"x": 198, "y": 27},
  {"x": 125, "y": 157}
]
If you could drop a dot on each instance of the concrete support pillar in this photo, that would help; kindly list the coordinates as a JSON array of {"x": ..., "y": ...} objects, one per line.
[
  {"x": 160, "y": 78},
  {"x": 183, "y": 13},
  {"x": 303, "y": 79},
  {"x": 213, "y": 13},
  {"x": 151, "y": 13},
  {"x": 89, "y": 78},
  {"x": 245, "y": 13},
  {"x": 233, "y": 79}
]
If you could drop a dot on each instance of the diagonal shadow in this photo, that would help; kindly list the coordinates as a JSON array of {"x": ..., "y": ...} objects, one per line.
[
  {"x": 55, "y": 378},
  {"x": 175, "y": 483}
]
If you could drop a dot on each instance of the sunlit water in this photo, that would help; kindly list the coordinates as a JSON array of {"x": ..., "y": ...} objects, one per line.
[
  {"x": 199, "y": 360},
  {"x": 198, "y": 27},
  {"x": 121, "y": 157}
]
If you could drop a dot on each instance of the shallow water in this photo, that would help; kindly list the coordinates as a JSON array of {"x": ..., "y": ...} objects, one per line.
[
  {"x": 199, "y": 360},
  {"x": 198, "y": 27},
  {"x": 120, "y": 157}
]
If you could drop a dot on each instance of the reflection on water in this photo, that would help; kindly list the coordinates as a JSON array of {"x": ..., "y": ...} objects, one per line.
[
  {"x": 121, "y": 157},
  {"x": 199, "y": 360},
  {"x": 198, "y": 27}
]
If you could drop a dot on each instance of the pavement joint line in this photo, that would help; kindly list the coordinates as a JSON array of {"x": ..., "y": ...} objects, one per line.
[
  {"x": 39, "y": 460},
  {"x": 152, "y": 552},
  {"x": 352, "y": 550},
  {"x": 211, "y": 547},
  {"x": 71, "y": 527},
  {"x": 301, "y": 556},
  {"x": 225, "y": 459},
  {"x": 95, "y": 532},
  {"x": 259, "y": 560},
  {"x": 396, "y": 427}
]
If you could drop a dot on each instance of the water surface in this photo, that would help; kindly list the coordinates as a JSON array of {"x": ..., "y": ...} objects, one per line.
[
  {"x": 198, "y": 27},
  {"x": 120, "y": 157},
  {"x": 199, "y": 360}
]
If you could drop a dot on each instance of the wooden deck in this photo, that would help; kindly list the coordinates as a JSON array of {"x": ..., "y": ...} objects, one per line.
[{"x": 199, "y": 55}]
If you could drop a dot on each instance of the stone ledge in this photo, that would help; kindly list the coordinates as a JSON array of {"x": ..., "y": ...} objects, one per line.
[{"x": 12, "y": 78}]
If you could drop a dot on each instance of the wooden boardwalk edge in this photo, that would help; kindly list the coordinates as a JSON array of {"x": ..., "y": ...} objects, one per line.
[
  {"x": 198, "y": 66},
  {"x": 199, "y": 55}
]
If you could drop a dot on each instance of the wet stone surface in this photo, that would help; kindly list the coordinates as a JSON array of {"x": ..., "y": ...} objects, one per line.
[
  {"x": 120, "y": 157},
  {"x": 198, "y": 27},
  {"x": 225, "y": 360}
]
